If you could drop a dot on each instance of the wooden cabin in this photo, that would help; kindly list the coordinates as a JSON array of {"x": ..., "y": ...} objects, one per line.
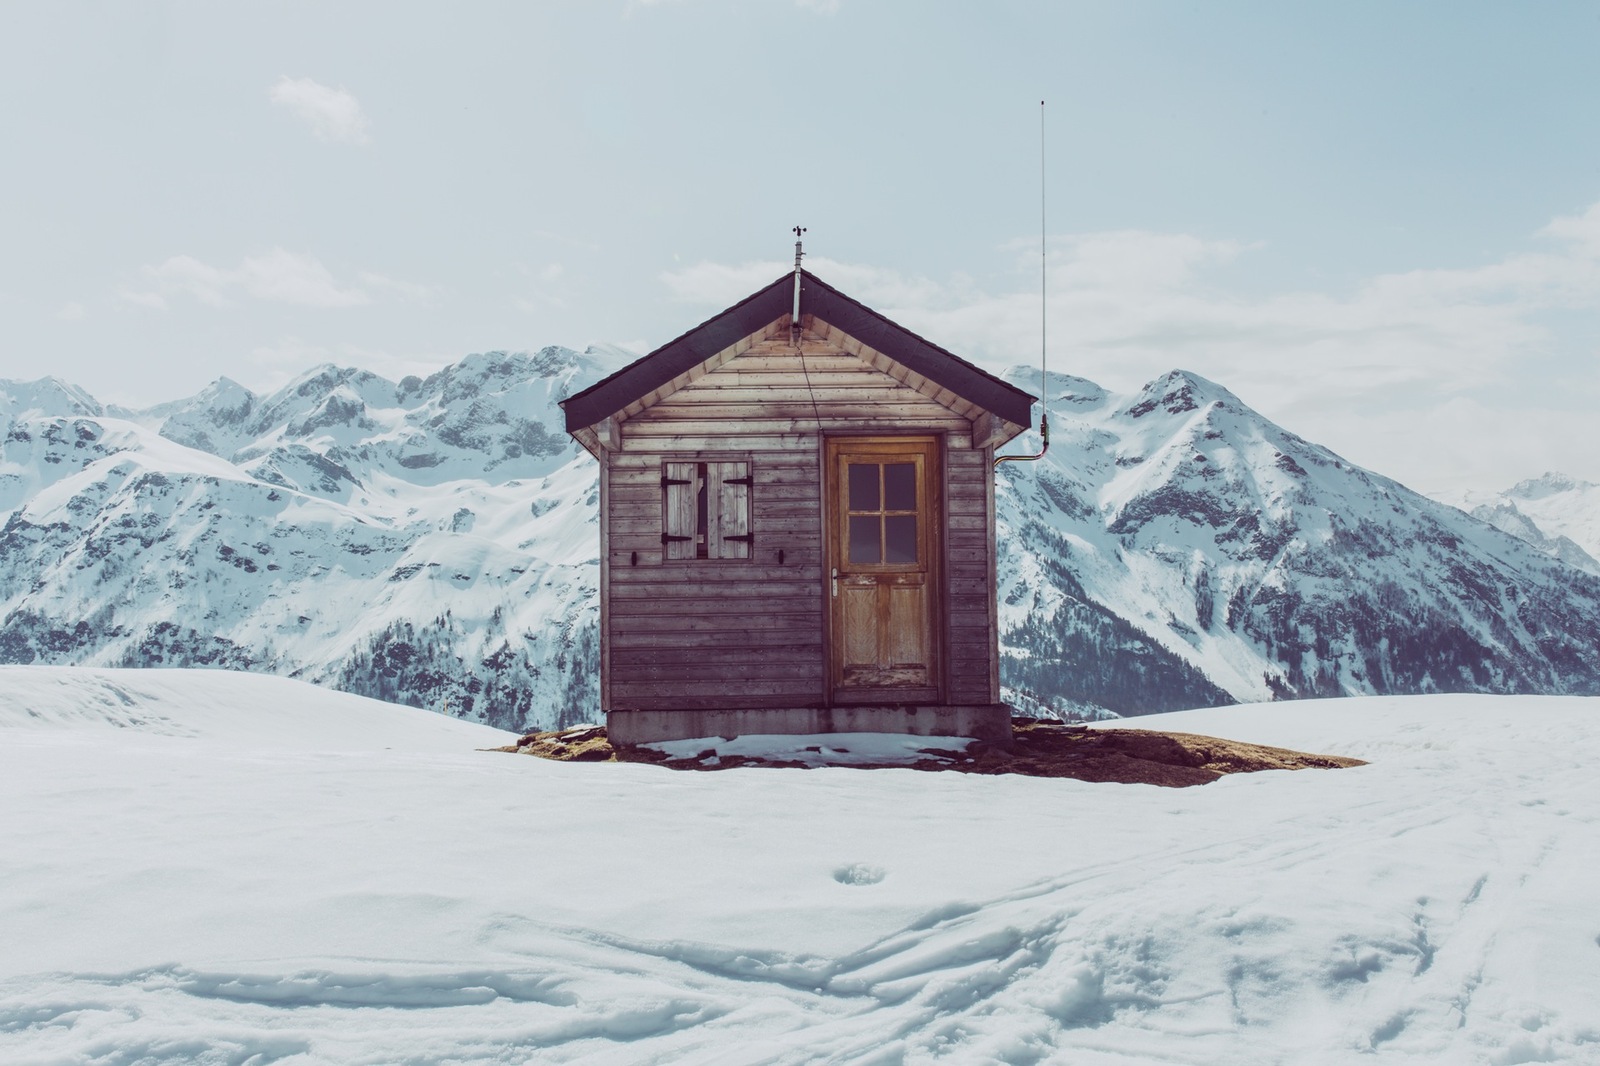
[{"x": 797, "y": 527}]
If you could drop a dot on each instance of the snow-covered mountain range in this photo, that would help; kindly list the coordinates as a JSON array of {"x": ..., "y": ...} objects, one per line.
[
  {"x": 433, "y": 541},
  {"x": 430, "y": 541},
  {"x": 1224, "y": 543},
  {"x": 1555, "y": 513}
]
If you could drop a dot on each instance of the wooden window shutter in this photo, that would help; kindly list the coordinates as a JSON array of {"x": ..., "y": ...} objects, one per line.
[
  {"x": 679, "y": 490},
  {"x": 728, "y": 489}
]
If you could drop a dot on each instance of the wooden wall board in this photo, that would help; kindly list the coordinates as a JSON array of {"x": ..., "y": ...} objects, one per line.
[
  {"x": 696, "y": 641},
  {"x": 605, "y": 579},
  {"x": 649, "y": 656},
  {"x": 729, "y": 625},
  {"x": 992, "y": 600},
  {"x": 651, "y": 695}
]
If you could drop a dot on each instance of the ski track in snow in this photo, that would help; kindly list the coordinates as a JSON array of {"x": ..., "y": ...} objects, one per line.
[{"x": 232, "y": 877}]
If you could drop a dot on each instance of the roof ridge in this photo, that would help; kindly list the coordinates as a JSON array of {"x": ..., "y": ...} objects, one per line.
[{"x": 766, "y": 305}]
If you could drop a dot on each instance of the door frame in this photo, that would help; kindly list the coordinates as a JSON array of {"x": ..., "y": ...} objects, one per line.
[{"x": 931, "y": 511}]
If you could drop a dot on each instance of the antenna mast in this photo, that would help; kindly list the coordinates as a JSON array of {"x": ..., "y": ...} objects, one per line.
[
  {"x": 794, "y": 332},
  {"x": 1044, "y": 307},
  {"x": 794, "y": 318}
]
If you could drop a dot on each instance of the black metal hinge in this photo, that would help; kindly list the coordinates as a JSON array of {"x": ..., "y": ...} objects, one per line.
[
  {"x": 665, "y": 481},
  {"x": 746, "y": 480},
  {"x": 751, "y": 537},
  {"x": 665, "y": 537}
]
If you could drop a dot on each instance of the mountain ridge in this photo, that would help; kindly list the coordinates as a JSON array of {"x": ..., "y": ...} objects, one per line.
[
  {"x": 1556, "y": 513},
  {"x": 433, "y": 540}
]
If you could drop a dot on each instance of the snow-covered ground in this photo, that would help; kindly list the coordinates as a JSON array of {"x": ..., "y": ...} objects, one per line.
[
  {"x": 215, "y": 868},
  {"x": 817, "y": 749}
]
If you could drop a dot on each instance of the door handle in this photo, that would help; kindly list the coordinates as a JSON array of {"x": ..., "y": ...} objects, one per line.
[{"x": 836, "y": 582}]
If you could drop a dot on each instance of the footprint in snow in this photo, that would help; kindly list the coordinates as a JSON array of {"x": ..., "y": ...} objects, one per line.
[{"x": 859, "y": 873}]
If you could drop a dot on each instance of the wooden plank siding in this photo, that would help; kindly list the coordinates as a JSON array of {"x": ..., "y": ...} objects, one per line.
[
  {"x": 752, "y": 632},
  {"x": 973, "y": 676}
]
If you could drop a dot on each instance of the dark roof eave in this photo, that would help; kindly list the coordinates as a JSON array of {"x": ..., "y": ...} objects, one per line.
[{"x": 610, "y": 395}]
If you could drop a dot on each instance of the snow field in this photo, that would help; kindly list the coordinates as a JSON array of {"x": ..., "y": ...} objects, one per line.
[
  {"x": 816, "y": 749},
  {"x": 215, "y": 868}
]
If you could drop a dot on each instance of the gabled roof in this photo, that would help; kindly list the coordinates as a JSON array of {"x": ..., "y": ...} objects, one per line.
[{"x": 755, "y": 312}]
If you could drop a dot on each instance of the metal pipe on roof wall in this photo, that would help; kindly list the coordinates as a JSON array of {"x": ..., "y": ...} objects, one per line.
[{"x": 1044, "y": 437}]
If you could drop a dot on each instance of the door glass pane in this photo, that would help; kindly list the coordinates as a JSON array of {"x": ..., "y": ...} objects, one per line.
[
  {"x": 900, "y": 487},
  {"x": 865, "y": 546},
  {"x": 863, "y": 486},
  {"x": 900, "y": 538}
]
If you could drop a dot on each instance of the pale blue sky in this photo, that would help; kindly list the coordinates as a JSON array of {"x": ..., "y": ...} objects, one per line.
[{"x": 1375, "y": 222}]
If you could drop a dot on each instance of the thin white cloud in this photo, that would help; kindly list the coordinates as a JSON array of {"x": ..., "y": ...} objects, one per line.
[
  {"x": 281, "y": 276},
  {"x": 289, "y": 355},
  {"x": 543, "y": 286},
  {"x": 276, "y": 276},
  {"x": 334, "y": 115},
  {"x": 153, "y": 300},
  {"x": 183, "y": 273},
  {"x": 1581, "y": 230},
  {"x": 1393, "y": 352},
  {"x": 1131, "y": 305},
  {"x": 720, "y": 283},
  {"x": 410, "y": 291},
  {"x": 1458, "y": 442},
  {"x": 576, "y": 242}
]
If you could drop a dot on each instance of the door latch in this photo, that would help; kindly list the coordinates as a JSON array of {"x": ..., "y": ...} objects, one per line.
[{"x": 836, "y": 582}]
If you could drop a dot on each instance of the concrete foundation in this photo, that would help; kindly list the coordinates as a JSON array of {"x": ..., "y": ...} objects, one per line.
[{"x": 988, "y": 722}]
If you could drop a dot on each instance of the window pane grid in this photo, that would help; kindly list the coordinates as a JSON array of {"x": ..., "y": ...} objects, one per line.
[{"x": 881, "y": 510}]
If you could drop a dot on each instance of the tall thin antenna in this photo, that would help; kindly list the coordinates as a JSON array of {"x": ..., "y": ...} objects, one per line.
[
  {"x": 795, "y": 331},
  {"x": 1044, "y": 307}
]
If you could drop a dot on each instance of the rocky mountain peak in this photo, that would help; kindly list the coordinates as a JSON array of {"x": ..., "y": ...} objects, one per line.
[
  {"x": 1178, "y": 392},
  {"x": 1548, "y": 484},
  {"x": 47, "y": 397},
  {"x": 216, "y": 419},
  {"x": 1556, "y": 513},
  {"x": 1059, "y": 389}
]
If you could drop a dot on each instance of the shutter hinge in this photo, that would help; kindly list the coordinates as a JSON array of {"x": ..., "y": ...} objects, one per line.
[
  {"x": 667, "y": 537},
  {"x": 746, "y": 480},
  {"x": 665, "y": 481},
  {"x": 751, "y": 537}
]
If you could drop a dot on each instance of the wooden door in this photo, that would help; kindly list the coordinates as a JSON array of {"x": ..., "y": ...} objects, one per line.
[{"x": 883, "y": 545}]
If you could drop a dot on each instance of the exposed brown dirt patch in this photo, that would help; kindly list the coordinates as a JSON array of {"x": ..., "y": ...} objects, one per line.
[{"x": 1041, "y": 749}]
